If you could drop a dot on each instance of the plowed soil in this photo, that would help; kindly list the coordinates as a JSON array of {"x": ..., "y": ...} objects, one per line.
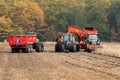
[{"x": 49, "y": 65}]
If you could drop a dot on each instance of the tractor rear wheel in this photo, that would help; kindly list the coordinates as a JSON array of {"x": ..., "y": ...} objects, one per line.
[
  {"x": 56, "y": 47},
  {"x": 77, "y": 47},
  {"x": 61, "y": 48},
  {"x": 74, "y": 48},
  {"x": 42, "y": 48},
  {"x": 38, "y": 47}
]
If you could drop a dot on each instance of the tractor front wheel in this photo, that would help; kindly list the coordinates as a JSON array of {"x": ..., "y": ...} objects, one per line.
[{"x": 39, "y": 48}]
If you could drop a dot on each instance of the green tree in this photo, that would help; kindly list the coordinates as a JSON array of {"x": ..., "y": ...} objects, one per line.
[
  {"x": 18, "y": 16},
  {"x": 96, "y": 14},
  {"x": 114, "y": 18},
  {"x": 62, "y": 13}
]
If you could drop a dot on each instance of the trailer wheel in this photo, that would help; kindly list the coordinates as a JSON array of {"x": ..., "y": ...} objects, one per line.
[
  {"x": 27, "y": 49},
  {"x": 13, "y": 50},
  {"x": 17, "y": 50},
  {"x": 61, "y": 48},
  {"x": 23, "y": 50},
  {"x": 56, "y": 47}
]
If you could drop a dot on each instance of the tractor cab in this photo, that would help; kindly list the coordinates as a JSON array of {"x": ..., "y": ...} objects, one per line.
[
  {"x": 69, "y": 38},
  {"x": 66, "y": 43},
  {"x": 93, "y": 39}
]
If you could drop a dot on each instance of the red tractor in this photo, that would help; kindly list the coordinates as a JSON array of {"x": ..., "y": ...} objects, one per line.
[
  {"x": 25, "y": 43},
  {"x": 88, "y": 38}
]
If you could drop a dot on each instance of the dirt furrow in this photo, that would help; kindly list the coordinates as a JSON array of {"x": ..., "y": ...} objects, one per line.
[{"x": 50, "y": 65}]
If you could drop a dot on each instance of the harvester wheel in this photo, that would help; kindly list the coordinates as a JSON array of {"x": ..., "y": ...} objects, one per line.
[
  {"x": 98, "y": 42},
  {"x": 56, "y": 47},
  {"x": 88, "y": 50}
]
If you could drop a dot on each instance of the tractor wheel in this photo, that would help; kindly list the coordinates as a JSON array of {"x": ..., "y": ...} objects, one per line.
[
  {"x": 74, "y": 48},
  {"x": 98, "y": 42},
  {"x": 42, "y": 48},
  {"x": 38, "y": 47},
  {"x": 88, "y": 50},
  {"x": 61, "y": 48},
  {"x": 77, "y": 47},
  {"x": 56, "y": 47},
  {"x": 13, "y": 50}
]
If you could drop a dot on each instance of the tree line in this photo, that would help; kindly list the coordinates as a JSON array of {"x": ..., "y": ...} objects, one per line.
[{"x": 52, "y": 16}]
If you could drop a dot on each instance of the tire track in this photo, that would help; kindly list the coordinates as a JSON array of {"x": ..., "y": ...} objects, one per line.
[
  {"x": 12, "y": 69},
  {"x": 82, "y": 60},
  {"x": 89, "y": 68},
  {"x": 103, "y": 57},
  {"x": 94, "y": 68},
  {"x": 103, "y": 60},
  {"x": 106, "y": 59},
  {"x": 47, "y": 65},
  {"x": 87, "y": 56}
]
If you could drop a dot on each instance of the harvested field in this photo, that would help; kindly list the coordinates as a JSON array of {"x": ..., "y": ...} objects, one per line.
[
  {"x": 111, "y": 49},
  {"x": 50, "y": 65}
]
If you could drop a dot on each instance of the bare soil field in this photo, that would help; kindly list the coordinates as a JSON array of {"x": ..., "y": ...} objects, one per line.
[
  {"x": 50, "y": 65},
  {"x": 112, "y": 49}
]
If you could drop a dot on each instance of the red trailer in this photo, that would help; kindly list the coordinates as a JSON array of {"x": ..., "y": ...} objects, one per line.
[
  {"x": 25, "y": 43},
  {"x": 88, "y": 39}
]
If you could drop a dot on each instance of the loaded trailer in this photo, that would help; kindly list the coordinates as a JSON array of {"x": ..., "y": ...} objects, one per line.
[{"x": 25, "y": 43}]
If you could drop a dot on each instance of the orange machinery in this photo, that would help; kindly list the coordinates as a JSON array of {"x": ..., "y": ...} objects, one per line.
[{"x": 83, "y": 35}]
